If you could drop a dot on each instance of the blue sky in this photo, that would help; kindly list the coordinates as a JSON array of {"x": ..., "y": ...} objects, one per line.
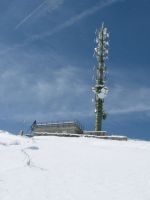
[{"x": 46, "y": 63}]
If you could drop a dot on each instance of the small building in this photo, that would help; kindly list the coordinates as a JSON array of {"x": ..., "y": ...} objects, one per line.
[{"x": 61, "y": 128}]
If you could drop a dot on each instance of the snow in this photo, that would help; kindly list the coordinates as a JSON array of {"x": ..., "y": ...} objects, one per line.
[
  {"x": 60, "y": 168},
  {"x": 9, "y": 139}
]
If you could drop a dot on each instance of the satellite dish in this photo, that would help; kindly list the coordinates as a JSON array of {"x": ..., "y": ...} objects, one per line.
[{"x": 103, "y": 93}]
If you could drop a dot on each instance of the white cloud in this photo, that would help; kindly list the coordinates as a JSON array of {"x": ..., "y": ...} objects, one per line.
[
  {"x": 76, "y": 18},
  {"x": 126, "y": 99},
  {"x": 29, "y": 89},
  {"x": 47, "y": 5},
  {"x": 60, "y": 27}
]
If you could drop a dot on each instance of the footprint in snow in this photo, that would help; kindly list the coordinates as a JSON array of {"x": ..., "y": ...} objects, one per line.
[{"x": 33, "y": 148}]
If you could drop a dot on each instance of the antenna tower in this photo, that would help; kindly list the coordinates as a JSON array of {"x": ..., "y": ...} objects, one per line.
[{"x": 100, "y": 90}]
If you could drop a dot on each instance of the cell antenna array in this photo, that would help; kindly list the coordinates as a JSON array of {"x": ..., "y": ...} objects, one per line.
[{"x": 100, "y": 90}]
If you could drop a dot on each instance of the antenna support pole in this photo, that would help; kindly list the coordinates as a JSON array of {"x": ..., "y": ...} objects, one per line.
[{"x": 100, "y": 90}]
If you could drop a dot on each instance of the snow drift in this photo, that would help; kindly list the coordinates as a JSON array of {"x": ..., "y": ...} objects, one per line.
[{"x": 7, "y": 138}]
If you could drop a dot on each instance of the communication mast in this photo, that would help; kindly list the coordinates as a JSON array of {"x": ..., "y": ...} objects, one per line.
[{"x": 100, "y": 90}]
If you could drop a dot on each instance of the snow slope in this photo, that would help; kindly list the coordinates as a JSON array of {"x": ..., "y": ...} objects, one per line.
[{"x": 57, "y": 168}]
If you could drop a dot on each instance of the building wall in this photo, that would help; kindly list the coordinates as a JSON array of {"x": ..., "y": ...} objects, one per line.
[{"x": 57, "y": 128}]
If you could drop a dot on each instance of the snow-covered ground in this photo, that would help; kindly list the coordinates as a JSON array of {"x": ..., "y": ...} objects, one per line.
[{"x": 56, "y": 168}]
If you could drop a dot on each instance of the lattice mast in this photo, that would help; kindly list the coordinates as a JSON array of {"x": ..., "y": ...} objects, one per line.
[{"x": 100, "y": 90}]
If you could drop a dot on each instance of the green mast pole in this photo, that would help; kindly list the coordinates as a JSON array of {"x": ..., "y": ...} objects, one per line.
[{"x": 100, "y": 89}]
